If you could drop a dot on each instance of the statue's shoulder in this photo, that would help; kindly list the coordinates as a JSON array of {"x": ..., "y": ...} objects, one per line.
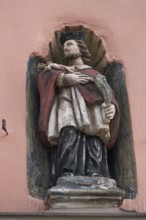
[{"x": 88, "y": 70}]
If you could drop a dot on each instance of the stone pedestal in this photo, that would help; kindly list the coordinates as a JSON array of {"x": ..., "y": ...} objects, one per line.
[{"x": 84, "y": 192}]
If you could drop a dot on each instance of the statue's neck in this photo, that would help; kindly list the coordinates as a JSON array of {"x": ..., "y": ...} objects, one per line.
[{"x": 76, "y": 61}]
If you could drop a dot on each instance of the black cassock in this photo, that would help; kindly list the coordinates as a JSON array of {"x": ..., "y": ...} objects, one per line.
[{"x": 79, "y": 154}]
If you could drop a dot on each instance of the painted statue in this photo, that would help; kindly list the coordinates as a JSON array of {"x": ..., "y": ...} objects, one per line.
[{"x": 74, "y": 113}]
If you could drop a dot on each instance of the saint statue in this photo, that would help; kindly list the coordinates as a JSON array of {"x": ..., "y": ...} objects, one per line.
[{"x": 74, "y": 115}]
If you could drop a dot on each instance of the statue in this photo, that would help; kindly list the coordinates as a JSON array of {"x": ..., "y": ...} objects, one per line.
[
  {"x": 74, "y": 114},
  {"x": 78, "y": 123}
]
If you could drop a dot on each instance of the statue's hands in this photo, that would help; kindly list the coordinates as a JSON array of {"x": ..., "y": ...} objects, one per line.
[
  {"x": 55, "y": 66},
  {"x": 76, "y": 78},
  {"x": 109, "y": 111},
  {"x": 59, "y": 67}
]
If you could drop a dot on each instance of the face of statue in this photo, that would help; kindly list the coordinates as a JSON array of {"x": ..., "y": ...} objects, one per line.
[{"x": 71, "y": 48}]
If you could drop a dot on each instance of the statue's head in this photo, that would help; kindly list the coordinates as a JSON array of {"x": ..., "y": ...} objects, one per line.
[
  {"x": 71, "y": 49},
  {"x": 74, "y": 46}
]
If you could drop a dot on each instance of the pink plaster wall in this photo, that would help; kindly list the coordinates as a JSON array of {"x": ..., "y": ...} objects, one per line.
[{"x": 27, "y": 26}]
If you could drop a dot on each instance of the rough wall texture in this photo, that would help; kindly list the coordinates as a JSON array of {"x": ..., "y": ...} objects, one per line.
[{"x": 28, "y": 26}]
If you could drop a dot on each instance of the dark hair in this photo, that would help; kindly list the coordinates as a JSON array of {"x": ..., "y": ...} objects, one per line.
[{"x": 86, "y": 55}]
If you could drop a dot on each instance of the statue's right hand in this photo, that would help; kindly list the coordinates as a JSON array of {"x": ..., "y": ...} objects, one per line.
[
  {"x": 58, "y": 67},
  {"x": 53, "y": 65}
]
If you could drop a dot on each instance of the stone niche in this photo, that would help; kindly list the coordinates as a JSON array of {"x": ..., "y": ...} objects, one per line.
[{"x": 40, "y": 158}]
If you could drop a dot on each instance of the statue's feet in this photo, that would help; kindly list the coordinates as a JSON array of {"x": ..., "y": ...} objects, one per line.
[
  {"x": 96, "y": 175},
  {"x": 67, "y": 174}
]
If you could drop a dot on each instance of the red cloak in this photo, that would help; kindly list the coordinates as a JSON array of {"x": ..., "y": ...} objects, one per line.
[{"x": 90, "y": 93}]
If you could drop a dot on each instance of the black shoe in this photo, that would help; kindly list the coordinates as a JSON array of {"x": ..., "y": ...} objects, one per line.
[
  {"x": 96, "y": 175},
  {"x": 67, "y": 174}
]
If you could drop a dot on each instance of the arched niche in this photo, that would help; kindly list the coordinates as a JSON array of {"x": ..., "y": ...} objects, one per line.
[{"x": 40, "y": 158}]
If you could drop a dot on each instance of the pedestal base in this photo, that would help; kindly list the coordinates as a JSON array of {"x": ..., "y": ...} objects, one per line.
[{"x": 84, "y": 192}]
